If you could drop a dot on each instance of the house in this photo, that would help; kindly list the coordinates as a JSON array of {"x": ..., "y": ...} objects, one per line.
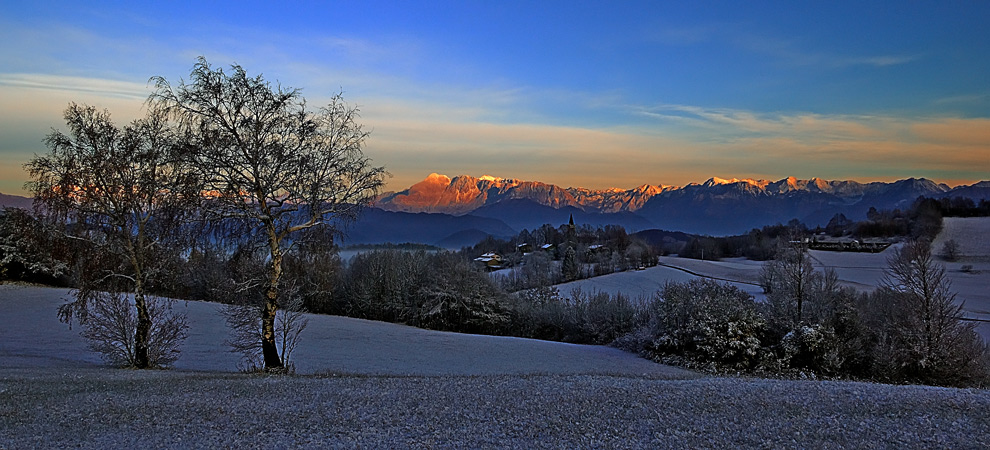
[
  {"x": 524, "y": 248},
  {"x": 491, "y": 260}
]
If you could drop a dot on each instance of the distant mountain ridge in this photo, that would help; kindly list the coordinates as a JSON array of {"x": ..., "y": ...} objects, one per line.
[
  {"x": 453, "y": 212},
  {"x": 717, "y": 206},
  {"x": 15, "y": 201},
  {"x": 463, "y": 194}
]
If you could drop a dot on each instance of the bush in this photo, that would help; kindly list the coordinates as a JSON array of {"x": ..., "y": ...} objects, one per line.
[
  {"x": 603, "y": 317},
  {"x": 110, "y": 324},
  {"x": 713, "y": 325},
  {"x": 812, "y": 347},
  {"x": 541, "y": 313}
]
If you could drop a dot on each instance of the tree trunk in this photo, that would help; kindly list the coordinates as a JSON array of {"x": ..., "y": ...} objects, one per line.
[
  {"x": 143, "y": 331},
  {"x": 268, "y": 349}
]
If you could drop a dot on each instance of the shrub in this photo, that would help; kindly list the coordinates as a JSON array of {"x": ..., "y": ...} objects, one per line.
[
  {"x": 110, "y": 324},
  {"x": 711, "y": 324},
  {"x": 603, "y": 317},
  {"x": 812, "y": 347},
  {"x": 542, "y": 313}
]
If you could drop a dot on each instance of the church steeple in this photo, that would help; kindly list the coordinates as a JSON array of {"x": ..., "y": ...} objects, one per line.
[{"x": 571, "y": 231}]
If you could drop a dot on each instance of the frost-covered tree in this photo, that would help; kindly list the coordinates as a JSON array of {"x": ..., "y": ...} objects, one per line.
[
  {"x": 125, "y": 193},
  {"x": 270, "y": 162},
  {"x": 928, "y": 338},
  {"x": 30, "y": 248},
  {"x": 710, "y": 323}
]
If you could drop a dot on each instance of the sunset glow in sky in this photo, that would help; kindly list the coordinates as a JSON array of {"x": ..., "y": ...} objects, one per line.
[{"x": 609, "y": 94}]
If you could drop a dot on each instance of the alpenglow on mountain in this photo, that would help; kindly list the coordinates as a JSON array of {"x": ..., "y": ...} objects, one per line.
[
  {"x": 717, "y": 206},
  {"x": 453, "y": 212},
  {"x": 463, "y": 194}
]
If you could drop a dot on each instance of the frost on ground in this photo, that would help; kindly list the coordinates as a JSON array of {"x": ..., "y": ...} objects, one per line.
[
  {"x": 383, "y": 385},
  {"x": 972, "y": 233},
  {"x": 31, "y": 336},
  {"x": 113, "y": 408}
]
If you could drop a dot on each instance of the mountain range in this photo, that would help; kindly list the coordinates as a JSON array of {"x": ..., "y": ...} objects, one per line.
[
  {"x": 717, "y": 206},
  {"x": 459, "y": 211}
]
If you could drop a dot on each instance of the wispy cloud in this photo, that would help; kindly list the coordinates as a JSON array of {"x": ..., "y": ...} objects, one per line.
[
  {"x": 787, "y": 51},
  {"x": 792, "y": 52},
  {"x": 832, "y": 145},
  {"x": 82, "y": 85}
]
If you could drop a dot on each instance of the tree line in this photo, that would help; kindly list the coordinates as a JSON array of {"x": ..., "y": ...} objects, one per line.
[{"x": 922, "y": 219}]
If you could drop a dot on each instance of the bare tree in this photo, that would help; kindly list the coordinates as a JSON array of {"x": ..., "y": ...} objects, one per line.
[
  {"x": 787, "y": 280},
  {"x": 125, "y": 194},
  {"x": 933, "y": 343},
  {"x": 268, "y": 160}
]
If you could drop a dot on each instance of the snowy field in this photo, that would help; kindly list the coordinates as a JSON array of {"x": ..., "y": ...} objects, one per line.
[
  {"x": 388, "y": 386},
  {"x": 973, "y": 235},
  {"x": 862, "y": 271},
  {"x": 644, "y": 284},
  {"x": 31, "y": 336},
  {"x": 372, "y": 384}
]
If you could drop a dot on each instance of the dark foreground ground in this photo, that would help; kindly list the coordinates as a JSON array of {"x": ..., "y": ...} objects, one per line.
[{"x": 86, "y": 407}]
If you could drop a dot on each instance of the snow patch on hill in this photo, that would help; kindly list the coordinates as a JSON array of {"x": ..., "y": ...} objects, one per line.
[{"x": 33, "y": 337}]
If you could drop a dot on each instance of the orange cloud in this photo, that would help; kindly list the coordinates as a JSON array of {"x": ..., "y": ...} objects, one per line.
[{"x": 956, "y": 132}]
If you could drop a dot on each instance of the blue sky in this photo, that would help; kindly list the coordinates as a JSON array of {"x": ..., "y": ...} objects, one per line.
[{"x": 608, "y": 94}]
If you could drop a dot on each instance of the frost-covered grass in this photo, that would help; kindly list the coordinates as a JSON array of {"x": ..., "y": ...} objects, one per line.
[
  {"x": 113, "y": 408},
  {"x": 386, "y": 386},
  {"x": 31, "y": 336}
]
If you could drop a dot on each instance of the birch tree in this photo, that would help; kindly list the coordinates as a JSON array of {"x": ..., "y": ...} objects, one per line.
[
  {"x": 123, "y": 192},
  {"x": 269, "y": 161}
]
